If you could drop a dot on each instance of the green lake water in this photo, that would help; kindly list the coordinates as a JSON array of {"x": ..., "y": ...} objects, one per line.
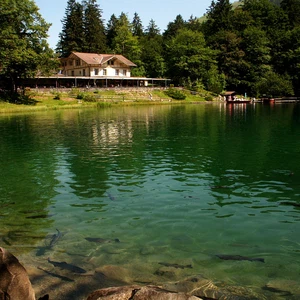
[{"x": 155, "y": 185}]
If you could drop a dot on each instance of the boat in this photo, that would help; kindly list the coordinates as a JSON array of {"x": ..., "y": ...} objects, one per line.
[
  {"x": 231, "y": 98},
  {"x": 238, "y": 101}
]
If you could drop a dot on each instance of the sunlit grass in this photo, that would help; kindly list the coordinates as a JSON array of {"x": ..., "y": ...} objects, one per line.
[{"x": 101, "y": 98}]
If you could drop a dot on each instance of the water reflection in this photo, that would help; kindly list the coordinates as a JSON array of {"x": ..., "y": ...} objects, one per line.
[{"x": 172, "y": 183}]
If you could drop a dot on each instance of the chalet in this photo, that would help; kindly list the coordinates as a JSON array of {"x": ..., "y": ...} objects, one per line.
[
  {"x": 94, "y": 70},
  {"x": 96, "y": 65}
]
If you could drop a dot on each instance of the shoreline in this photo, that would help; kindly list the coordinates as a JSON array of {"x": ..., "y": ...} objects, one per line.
[
  {"x": 43, "y": 100},
  {"x": 9, "y": 108}
]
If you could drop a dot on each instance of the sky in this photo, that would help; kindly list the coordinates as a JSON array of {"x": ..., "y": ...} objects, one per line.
[{"x": 161, "y": 11}]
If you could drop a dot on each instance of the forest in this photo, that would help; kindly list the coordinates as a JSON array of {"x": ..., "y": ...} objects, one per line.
[{"x": 250, "y": 46}]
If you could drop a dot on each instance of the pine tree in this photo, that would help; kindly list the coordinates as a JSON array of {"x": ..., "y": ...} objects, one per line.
[
  {"x": 72, "y": 37},
  {"x": 95, "y": 39},
  {"x": 137, "y": 26},
  {"x": 174, "y": 27},
  {"x": 125, "y": 43},
  {"x": 152, "y": 30},
  {"x": 152, "y": 51},
  {"x": 111, "y": 30},
  {"x": 219, "y": 17},
  {"x": 123, "y": 35}
]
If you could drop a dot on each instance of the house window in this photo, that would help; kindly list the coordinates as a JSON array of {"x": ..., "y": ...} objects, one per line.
[
  {"x": 83, "y": 72},
  {"x": 72, "y": 73},
  {"x": 124, "y": 72},
  {"x": 77, "y": 62},
  {"x": 70, "y": 62},
  {"x": 104, "y": 72},
  {"x": 117, "y": 72},
  {"x": 96, "y": 72},
  {"x": 110, "y": 62}
]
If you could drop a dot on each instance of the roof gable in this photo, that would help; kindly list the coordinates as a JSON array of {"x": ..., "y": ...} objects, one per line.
[{"x": 94, "y": 58}]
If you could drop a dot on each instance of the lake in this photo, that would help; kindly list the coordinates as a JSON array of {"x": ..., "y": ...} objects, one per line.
[{"x": 154, "y": 195}]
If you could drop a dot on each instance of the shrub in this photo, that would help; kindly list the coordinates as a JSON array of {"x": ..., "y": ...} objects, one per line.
[
  {"x": 80, "y": 96},
  {"x": 57, "y": 96},
  {"x": 175, "y": 94},
  {"x": 74, "y": 91},
  {"x": 89, "y": 98},
  {"x": 209, "y": 98}
]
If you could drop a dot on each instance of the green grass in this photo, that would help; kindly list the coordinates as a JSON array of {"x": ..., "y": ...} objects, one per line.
[{"x": 104, "y": 98}]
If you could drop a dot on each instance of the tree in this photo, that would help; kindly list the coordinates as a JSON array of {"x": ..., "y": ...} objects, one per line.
[
  {"x": 188, "y": 56},
  {"x": 219, "y": 17},
  {"x": 274, "y": 85},
  {"x": 256, "y": 46},
  {"x": 215, "y": 82},
  {"x": 152, "y": 51},
  {"x": 266, "y": 15},
  {"x": 194, "y": 23},
  {"x": 174, "y": 27},
  {"x": 95, "y": 39},
  {"x": 231, "y": 58},
  {"x": 137, "y": 26},
  {"x": 152, "y": 29},
  {"x": 24, "y": 50},
  {"x": 292, "y": 9},
  {"x": 72, "y": 37},
  {"x": 111, "y": 30},
  {"x": 125, "y": 43},
  {"x": 286, "y": 59}
]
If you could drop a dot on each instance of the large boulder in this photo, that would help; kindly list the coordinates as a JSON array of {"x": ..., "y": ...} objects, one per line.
[
  {"x": 134, "y": 292},
  {"x": 14, "y": 281}
]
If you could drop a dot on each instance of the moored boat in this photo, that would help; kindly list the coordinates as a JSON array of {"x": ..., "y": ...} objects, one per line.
[
  {"x": 237, "y": 101},
  {"x": 230, "y": 97}
]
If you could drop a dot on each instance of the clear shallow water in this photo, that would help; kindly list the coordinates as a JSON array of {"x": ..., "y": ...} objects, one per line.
[{"x": 174, "y": 184}]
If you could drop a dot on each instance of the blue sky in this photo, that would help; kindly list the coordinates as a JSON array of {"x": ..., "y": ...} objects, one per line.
[{"x": 161, "y": 11}]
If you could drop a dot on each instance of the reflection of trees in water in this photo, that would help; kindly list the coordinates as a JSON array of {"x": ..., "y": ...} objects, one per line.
[
  {"x": 27, "y": 181},
  {"x": 94, "y": 153}
]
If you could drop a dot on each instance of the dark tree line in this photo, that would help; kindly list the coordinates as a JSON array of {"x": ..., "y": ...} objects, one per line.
[{"x": 251, "y": 46}]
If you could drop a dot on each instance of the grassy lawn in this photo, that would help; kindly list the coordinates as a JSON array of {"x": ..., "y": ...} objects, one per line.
[{"x": 75, "y": 98}]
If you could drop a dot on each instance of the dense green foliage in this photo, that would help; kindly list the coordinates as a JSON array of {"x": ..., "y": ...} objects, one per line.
[
  {"x": 246, "y": 46},
  {"x": 23, "y": 45},
  {"x": 83, "y": 29},
  {"x": 175, "y": 94}
]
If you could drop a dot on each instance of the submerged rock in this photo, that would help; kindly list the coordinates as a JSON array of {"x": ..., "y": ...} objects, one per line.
[
  {"x": 284, "y": 287},
  {"x": 202, "y": 287},
  {"x": 14, "y": 281},
  {"x": 135, "y": 292}
]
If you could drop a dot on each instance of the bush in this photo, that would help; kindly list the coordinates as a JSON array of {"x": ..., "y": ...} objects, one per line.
[
  {"x": 209, "y": 98},
  {"x": 57, "y": 96},
  {"x": 74, "y": 91},
  {"x": 89, "y": 98},
  {"x": 80, "y": 96},
  {"x": 175, "y": 94}
]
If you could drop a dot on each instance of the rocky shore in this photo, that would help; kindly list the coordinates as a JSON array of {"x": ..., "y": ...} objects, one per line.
[{"x": 15, "y": 284}]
